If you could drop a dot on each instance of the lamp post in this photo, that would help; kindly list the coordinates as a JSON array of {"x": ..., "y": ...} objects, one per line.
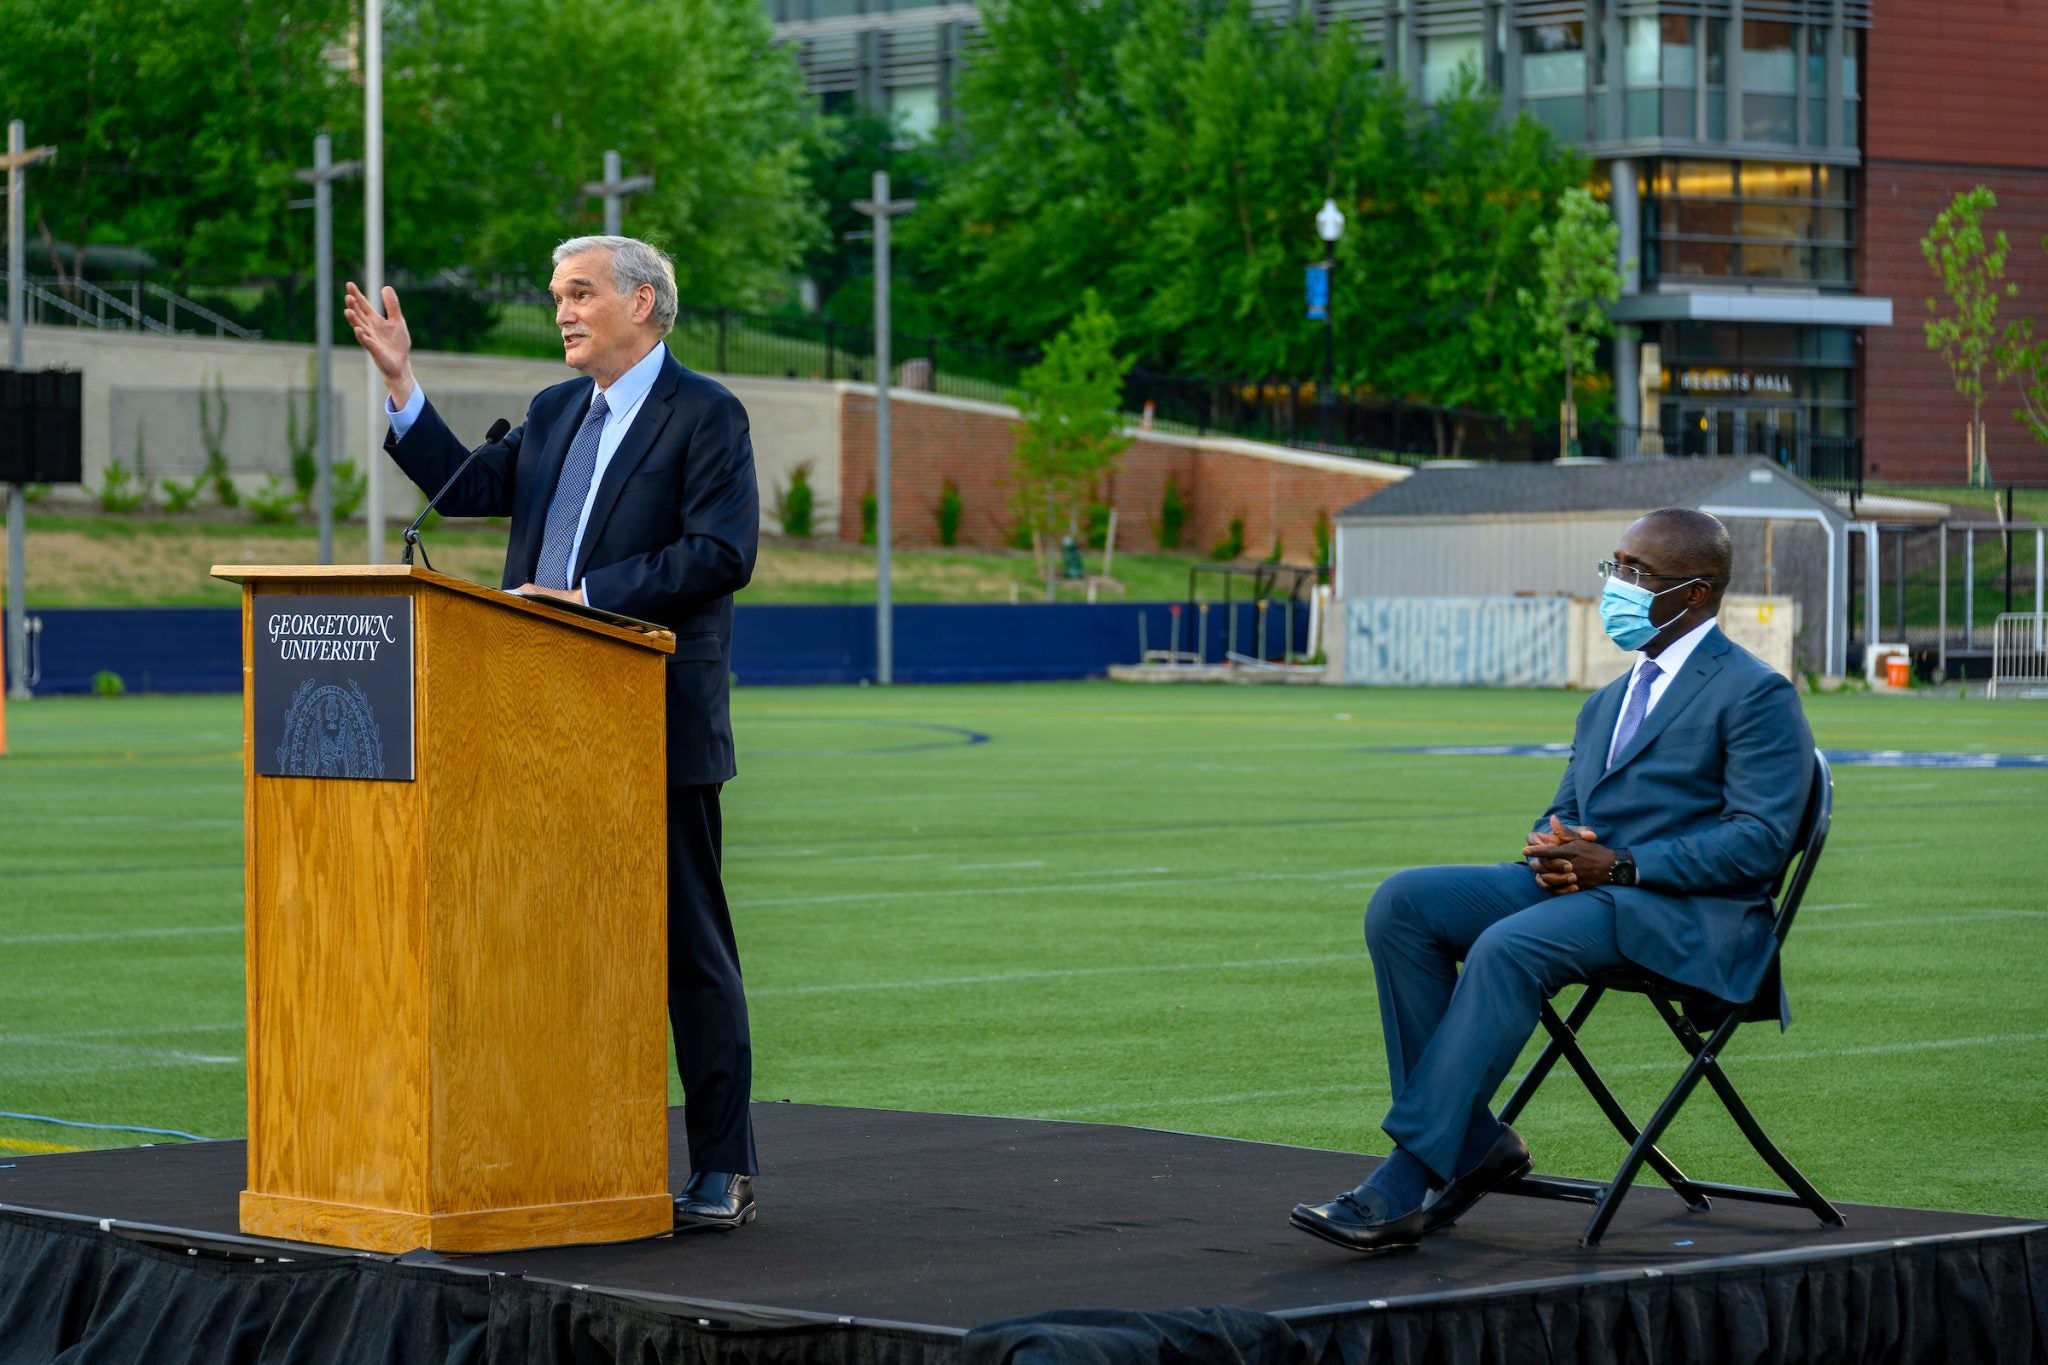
[{"x": 1329, "y": 227}]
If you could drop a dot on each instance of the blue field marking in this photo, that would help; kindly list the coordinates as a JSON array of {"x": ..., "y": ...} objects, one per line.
[
  {"x": 956, "y": 737},
  {"x": 1841, "y": 758}
]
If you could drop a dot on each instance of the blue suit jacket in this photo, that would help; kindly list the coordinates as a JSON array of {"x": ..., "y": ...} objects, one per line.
[
  {"x": 1707, "y": 796},
  {"x": 671, "y": 537}
]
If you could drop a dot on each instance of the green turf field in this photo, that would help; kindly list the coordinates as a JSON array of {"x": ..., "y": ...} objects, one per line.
[{"x": 1130, "y": 904}]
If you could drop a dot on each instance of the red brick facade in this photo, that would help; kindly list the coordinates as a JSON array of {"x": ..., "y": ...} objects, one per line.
[
  {"x": 934, "y": 442},
  {"x": 1954, "y": 94}
]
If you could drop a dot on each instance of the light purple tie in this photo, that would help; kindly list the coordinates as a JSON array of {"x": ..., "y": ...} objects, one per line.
[
  {"x": 1633, "y": 713},
  {"x": 572, "y": 489}
]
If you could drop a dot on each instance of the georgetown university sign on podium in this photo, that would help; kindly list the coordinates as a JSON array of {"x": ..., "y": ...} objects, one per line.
[{"x": 333, "y": 687}]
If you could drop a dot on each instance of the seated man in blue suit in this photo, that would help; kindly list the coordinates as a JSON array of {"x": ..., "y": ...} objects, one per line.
[{"x": 1684, "y": 791}]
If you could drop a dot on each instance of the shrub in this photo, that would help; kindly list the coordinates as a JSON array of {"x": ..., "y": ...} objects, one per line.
[
  {"x": 1098, "y": 525},
  {"x": 275, "y": 503},
  {"x": 793, "y": 503},
  {"x": 105, "y": 684},
  {"x": 213, "y": 432},
  {"x": 1020, "y": 536},
  {"x": 950, "y": 508},
  {"x": 179, "y": 497},
  {"x": 1279, "y": 551},
  {"x": 867, "y": 517},
  {"x": 1173, "y": 515},
  {"x": 1231, "y": 546},
  {"x": 120, "y": 490},
  {"x": 1325, "y": 540},
  {"x": 350, "y": 487}
]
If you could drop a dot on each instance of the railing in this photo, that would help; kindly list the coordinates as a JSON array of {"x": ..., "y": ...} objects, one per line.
[{"x": 83, "y": 303}]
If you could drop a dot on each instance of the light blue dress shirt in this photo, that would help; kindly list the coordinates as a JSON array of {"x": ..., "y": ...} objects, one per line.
[{"x": 623, "y": 400}]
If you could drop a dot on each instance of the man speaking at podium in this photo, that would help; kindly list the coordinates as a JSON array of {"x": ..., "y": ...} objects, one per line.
[{"x": 631, "y": 490}]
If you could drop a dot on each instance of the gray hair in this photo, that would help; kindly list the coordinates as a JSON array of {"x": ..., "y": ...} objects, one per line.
[{"x": 634, "y": 263}]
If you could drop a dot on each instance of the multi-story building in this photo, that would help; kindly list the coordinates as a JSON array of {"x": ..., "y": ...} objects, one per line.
[{"x": 1740, "y": 143}]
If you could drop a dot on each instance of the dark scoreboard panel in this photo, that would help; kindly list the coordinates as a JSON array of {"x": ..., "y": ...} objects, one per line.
[{"x": 42, "y": 426}]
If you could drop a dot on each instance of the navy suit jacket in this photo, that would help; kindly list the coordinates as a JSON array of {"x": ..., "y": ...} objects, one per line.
[
  {"x": 1707, "y": 796},
  {"x": 671, "y": 537}
]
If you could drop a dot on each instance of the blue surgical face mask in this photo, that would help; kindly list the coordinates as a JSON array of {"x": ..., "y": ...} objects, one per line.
[{"x": 1625, "y": 612}]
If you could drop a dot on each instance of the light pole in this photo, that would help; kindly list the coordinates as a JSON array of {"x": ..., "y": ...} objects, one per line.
[
  {"x": 20, "y": 156},
  {"x": 613, "y": 189},
  {"x": 882, "y": 208},
  {"x": 324, "y": 172},
  {"x": 1329, "y": 227}
]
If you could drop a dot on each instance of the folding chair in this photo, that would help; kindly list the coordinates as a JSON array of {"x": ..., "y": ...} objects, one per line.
[{"x": 1685, "y": 1011}]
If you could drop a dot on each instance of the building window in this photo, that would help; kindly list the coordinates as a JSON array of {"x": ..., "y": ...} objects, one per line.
[
  {"x": 915, "y": 111},
  {"x": 1756, "y": 388},
  {"x": 1752, "y": 222},
  {"x": 1553, "y": 72},
  {"x": 1443, "y": 56},
  {"x": 1770, "y": 80},
  {"x": 1660, "y": 66}
]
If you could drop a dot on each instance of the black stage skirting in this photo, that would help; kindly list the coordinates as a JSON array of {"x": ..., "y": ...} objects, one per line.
[{"x": 927, "y": 1239}]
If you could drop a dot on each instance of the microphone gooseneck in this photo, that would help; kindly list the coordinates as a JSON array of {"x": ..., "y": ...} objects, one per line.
[{"x": 412, "y": 532}]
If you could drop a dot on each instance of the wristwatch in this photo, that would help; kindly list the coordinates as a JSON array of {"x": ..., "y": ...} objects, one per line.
[{"x": 1623, "y": 873}]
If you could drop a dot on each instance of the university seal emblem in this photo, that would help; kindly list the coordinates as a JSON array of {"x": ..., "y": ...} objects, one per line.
[{"x": 330, "y": 731}]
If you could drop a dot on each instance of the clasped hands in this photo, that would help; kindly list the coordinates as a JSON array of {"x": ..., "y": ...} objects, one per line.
[{"x": 1568, "y": 859}]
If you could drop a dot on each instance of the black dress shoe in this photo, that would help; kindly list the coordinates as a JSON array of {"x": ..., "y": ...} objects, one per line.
[
  {"x": 1507, "y": 1159},
  {"x": 1357, "y": 1221},
  {"x": 716, "y": 1199}
]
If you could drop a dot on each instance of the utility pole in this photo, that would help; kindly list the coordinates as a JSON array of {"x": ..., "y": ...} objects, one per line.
[
  {"x": 615, "y": 190},
  {"x": 325, "y": 171},
  {"x": 882, "y": 208},
  {"x": 20, "y": 156},
  {"x": 373, "y": 273}
]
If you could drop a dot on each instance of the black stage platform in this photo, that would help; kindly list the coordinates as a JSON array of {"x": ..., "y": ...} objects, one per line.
[{"x": 931, "y": 1238}]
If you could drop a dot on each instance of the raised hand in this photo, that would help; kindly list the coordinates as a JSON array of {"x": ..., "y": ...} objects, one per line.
[{"x": 386, "y": 337}]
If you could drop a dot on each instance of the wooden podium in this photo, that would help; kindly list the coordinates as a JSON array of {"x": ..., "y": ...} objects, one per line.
[{"x": 457, "y": 1029}]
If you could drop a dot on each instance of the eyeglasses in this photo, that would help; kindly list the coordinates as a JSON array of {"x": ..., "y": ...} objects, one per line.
[{"x": 1630, "y": 574}]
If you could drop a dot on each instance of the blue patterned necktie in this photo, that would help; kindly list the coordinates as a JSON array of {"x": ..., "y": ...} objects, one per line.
[
  {"x": 1633, "y": 713},
  {"x": 571, "y": 491}
]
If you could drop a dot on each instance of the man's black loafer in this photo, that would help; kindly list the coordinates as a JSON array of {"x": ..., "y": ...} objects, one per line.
[
  {"x": 1357, "y": 1221},
  {"x": 1507, "y": 1159},
  {"x": 716, "y": 1199}
]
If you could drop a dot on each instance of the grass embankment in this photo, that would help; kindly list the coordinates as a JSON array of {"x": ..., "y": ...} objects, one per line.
[{"x": 156, "y": 560}]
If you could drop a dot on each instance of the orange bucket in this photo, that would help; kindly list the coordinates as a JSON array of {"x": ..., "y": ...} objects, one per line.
[{"x": 1898, "y": 670}]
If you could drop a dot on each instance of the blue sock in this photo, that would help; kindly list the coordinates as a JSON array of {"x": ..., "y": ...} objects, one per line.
[
  {"x": 1402, "y": 1181},
  {"x": 1479, "y": 1140}
]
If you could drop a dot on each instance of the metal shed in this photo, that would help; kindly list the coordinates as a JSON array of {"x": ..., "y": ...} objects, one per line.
[{"x": 1503, "y": 530}]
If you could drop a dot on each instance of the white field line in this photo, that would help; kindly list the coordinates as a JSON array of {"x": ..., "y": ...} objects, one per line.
[
  {"x": 1040, "y": 888},
  {"x": 1370, "y": 1091},
  {"x": 159, "y": 1031},
  {"x": 1922, "y": 922},
  {"x": 997, "y": 867},
  {"x": 74, "y": 1056},
  {"x": 15, "y": 940},
  {"x": 1054, "y": 974}
]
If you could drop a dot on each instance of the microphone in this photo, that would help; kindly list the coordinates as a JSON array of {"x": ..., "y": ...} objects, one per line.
[{"x": 412, "y": 532}]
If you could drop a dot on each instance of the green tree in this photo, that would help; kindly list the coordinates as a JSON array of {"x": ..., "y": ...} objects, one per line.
[
  {"x": 1072, "y": 427},
  {"x": 2024, "y": 356},
  {"x": 1171, "y": 154},
  {"x": 841, "y": 159},
  {"x": 181, "y": 124},
  {"x": 1577, "y": 277},
  {"x": 1972, "y": 276},
  {"x": 1480, "y": 188}
]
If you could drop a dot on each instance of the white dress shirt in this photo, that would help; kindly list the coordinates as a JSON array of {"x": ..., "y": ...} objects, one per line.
[
  {"x": 623, "y": 401},
  {"x": 1668, "y": 664}
]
